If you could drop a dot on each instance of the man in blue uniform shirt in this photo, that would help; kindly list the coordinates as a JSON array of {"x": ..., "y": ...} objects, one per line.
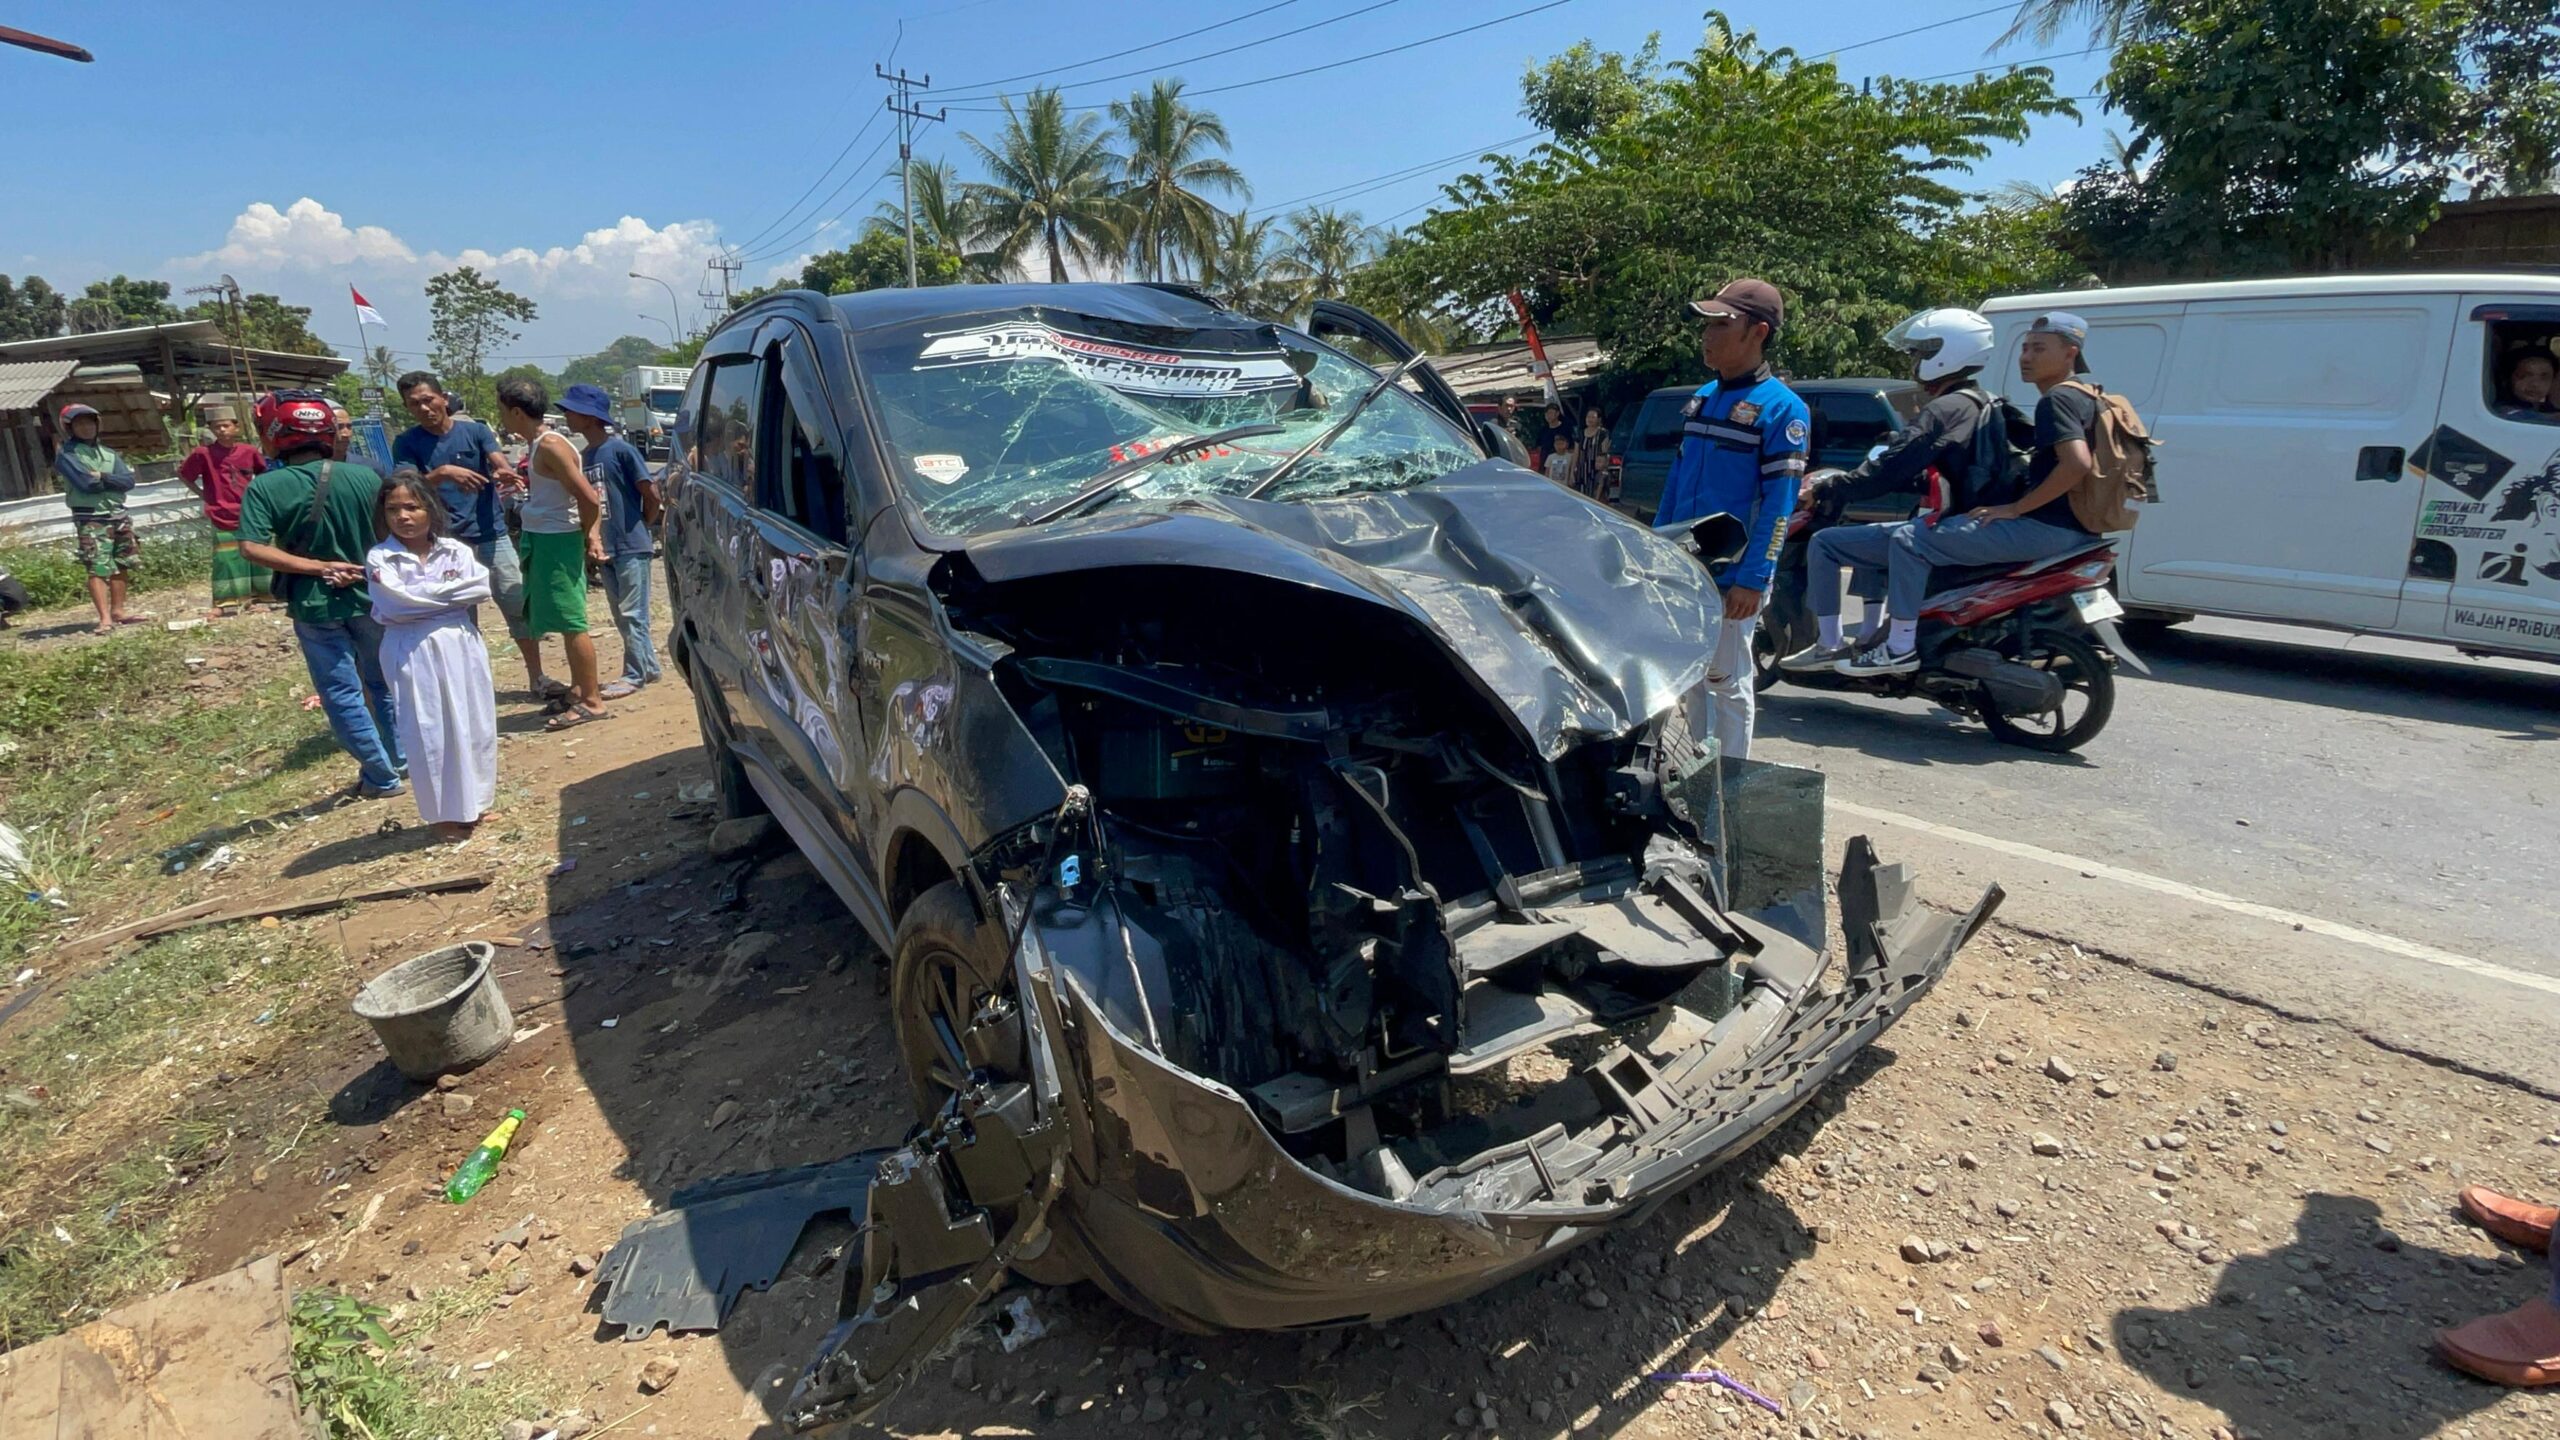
[{"x": 1742, "y": 452}]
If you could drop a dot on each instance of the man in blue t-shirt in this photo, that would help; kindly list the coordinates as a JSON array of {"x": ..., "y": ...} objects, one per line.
[
  {"x": 630, "y": 509},
  {"x": 462, "y": 457},
  {"x": 1743, "y": 443}
]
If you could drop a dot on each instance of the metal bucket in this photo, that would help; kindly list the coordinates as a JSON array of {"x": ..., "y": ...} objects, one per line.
[{"x": 440, "y": 1012}]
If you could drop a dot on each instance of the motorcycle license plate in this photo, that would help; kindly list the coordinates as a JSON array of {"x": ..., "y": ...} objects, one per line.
[{"x": 2096, "y": 605}]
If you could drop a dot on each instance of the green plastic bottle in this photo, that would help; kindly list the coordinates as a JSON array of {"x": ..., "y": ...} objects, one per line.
[{"x": 475, "y": 1172}]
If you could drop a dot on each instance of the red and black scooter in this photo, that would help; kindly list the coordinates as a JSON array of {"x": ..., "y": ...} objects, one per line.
[{"x": 2029, "y": 649}]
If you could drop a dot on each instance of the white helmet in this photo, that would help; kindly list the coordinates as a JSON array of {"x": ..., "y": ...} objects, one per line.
[{"x": 1944, "y": 340}]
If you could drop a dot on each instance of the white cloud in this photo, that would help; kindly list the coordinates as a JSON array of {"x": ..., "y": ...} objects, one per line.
[
  {"x": 303, "y": 235},
  {"x": 599, "y": 265}
]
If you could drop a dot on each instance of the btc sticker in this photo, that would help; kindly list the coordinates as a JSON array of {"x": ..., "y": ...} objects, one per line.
[{"x": 941, "y": 469}]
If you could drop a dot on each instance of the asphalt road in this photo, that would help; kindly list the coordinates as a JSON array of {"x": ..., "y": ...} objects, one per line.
[{"x": 2395, "y": 788}]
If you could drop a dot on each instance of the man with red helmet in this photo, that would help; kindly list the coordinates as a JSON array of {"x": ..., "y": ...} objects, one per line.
[
  {"x": 95, "y": 481},
  {"x": 309, "y": 518}
]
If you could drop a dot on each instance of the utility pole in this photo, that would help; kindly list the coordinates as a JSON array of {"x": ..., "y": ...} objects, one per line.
[
  {"x": 727, "y": 267},
  {"x": 903, "y": 105}
]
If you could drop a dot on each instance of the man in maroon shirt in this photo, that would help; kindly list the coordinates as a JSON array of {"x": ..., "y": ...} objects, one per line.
[{"x": 218, "y": 472}]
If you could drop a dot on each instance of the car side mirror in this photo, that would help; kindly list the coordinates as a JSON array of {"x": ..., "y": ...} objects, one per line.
[
  {"x": 1717, "y": 539},
  {"x": 1497, "y": 439}
]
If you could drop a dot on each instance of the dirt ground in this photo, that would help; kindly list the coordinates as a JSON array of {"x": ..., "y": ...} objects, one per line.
[{"x": 2062, "y": 1196}]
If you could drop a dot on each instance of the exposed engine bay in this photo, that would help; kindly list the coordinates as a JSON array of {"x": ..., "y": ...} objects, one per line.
[{"x": 1344, "y": 884}]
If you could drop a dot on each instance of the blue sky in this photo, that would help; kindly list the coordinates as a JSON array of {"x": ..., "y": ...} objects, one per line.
[{"x": 560, "y": 147}]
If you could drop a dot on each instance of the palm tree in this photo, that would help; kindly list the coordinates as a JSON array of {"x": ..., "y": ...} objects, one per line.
[
  {"x": 1325, "y": 246},
  {"x": 2108, "y": 20},
  {"x": 1049, "y": 183},
  {"x": 1166, "y": 174},
  {"x": 1242, "y": 270},
  {"x": 948, "y": 218}
]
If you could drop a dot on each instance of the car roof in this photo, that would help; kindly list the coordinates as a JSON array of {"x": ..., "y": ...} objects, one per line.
[
  {"x": 2519, "y": 283},
  {"x": 1133, "y": 304}
]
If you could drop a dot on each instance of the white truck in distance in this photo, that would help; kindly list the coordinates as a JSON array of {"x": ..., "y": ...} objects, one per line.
[{"x": 651, "y": 395}]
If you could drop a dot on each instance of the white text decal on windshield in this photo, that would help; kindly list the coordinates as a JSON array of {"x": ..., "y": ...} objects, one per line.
[{"x": 1133, "y": 370}]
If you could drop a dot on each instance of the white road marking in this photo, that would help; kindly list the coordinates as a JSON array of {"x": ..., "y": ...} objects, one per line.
[{"x": 2179, "y": 889}]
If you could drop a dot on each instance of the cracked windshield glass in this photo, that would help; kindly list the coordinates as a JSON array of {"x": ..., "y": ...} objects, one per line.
[{"x": 991, "y": 419}]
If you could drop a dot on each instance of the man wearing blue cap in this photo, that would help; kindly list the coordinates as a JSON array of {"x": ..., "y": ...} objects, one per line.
[{"x": 615, "y": 468}]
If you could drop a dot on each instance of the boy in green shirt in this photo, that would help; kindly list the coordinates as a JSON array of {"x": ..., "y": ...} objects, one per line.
[
  {"x": 318, "y": 553},
  {"x": 95, "y": 480}
]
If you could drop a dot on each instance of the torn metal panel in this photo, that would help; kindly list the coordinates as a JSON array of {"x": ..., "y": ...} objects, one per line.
[{"x": 686, "y": 1265}]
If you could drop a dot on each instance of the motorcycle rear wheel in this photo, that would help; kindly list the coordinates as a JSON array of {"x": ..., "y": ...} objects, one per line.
[{"x": 2089, "y": 696}]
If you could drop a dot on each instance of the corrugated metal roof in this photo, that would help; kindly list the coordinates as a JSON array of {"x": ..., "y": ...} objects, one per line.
[{"x": 25, "y": 383}]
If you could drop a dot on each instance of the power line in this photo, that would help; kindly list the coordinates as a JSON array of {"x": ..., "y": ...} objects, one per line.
[
  {"x": 1919, "y": 29},
  {"x": 1351, "y": 188},
  {"x": 827, "y": 224},
  {"x": 2006, "y": 66},
  {"x": 772, "y": 250},
  {"x": 785, "y": 217},
  {"x": 1119, "y": 54},
  {"x": 1208, "y": 55}
]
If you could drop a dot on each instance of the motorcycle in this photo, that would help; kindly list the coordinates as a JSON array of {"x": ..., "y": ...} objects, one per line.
[{"x": 2008, "y": 644}]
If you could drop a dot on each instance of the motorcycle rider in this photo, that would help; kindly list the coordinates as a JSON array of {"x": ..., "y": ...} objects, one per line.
[
  {"x": 2032, "y": 526},
  {"x": 1949, "y": 347},
  {"x": 1743, "y": 443}
]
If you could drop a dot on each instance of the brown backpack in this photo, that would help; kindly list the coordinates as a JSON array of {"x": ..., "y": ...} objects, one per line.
[{"x": 2119, "y": 464}]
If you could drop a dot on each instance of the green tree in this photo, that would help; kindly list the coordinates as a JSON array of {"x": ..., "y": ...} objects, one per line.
[
  {"x": 1582, "y": 92},
  {"x": 878, "y": 261},
  {"x": 1168, "y": 173},
  {"x": 948, "y": 218},
  {"x": 606, "y": 366},
  {"x": 383, "y": 369},
  {"x": 2276, "y": 135},
  {"x": 1243, "y": 270},
  {"x": 30, "y": 309},
  {"x": 1734, "y": 161},
  {"x": 470, "y": 318},
  {"x": 1322, "y": 249},
  {"x": 264, "y": 322},
  {"x": 120, "y": 303},
  {"x": 1049, "y": 184}
]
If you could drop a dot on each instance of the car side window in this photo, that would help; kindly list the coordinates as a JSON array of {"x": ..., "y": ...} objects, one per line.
[
  {"x": 809, "y": 490},
  {"x": 2520, "y": 376},
  {"x": 725, "y": 444},
  {"x": 1659, "y": 427},
  {"x": 1852, "y": 422}
]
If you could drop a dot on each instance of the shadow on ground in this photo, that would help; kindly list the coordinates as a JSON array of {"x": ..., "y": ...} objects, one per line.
[
  {"x": 2408, "y": 687},
  {"x": 2347, "y": 1301}
]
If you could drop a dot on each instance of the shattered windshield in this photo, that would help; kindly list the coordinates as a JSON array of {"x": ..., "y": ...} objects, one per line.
[{"x": 990, "y": 419}]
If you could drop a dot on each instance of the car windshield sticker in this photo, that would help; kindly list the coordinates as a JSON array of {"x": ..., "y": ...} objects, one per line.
[
  {"x": 941, "y": 469},
  {"x": 1130, "y": 369}
]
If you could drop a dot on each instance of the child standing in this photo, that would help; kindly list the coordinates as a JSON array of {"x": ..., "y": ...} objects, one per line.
[{"x": 425, "y": 584}]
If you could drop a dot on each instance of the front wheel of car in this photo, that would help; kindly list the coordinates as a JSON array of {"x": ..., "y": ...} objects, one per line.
[{"x": 952, "y": 994}]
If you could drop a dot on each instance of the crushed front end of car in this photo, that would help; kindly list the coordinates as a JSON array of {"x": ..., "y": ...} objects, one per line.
[{"x": 1394, "y": 934}]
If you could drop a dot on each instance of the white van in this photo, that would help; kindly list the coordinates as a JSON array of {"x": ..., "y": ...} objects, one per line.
[{"x": 2337, "y": 450}]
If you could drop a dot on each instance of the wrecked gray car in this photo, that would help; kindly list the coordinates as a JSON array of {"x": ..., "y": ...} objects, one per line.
[{"x": 1304, "y": 900}]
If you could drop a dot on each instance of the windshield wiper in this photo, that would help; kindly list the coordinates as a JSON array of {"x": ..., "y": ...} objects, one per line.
[
  {"x": 1385, "y": 383},
  {"x": 1125, "y": 475}
]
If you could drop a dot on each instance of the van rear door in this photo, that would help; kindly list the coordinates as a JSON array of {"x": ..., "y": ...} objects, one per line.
[
  {"x": 2284, "y": 424},
  {"x": 2484, "y": 565}
]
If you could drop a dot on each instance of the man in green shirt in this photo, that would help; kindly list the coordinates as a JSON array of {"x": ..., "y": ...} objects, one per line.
[
  {"x": 309, "y": 518},
  {"x": 95, "y": 480}
]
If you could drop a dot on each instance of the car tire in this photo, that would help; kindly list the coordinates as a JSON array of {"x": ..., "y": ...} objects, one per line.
[
  {"x": 945, "y": 963},
  {"x": 732, "y": 796},
  {"x": 2083, "y": 670}
]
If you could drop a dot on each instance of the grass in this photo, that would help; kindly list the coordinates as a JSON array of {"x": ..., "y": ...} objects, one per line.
[
  {"x": 359, "y": 1368},
  {"x": 175, "y": 554},
  {"x": 110, "y": 1120},
  {"x": 102, "y": 745}
]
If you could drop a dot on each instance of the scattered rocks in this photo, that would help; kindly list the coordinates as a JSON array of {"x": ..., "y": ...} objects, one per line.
[
  {"x": 1952, "y": 1355},
  {"x": 2058, "y": 1069},
  {"x": 448, "y": 1082},
  {"x": 2173, "y": 1140},
  {"x": 582, "y": 1264},
  {"x": 2109, "y": 1089},
  {"x": 1989, "y": 1333},
  {"x": 2052, "y": 1357},
  {"x": 722, "y": 1114},
  {"x": 2044, "y": 1144},
  {"x": 2061, "y": 1413},
  {"x": 737, "y": 839},
  {"x": 2166, "y": 1060},
  {"x": 658, "y": 1374},
  {"x": 1595, "y": 1298},
  {"x": 457, "y": 1104},
  {"x": 1923, "y": 1252}
]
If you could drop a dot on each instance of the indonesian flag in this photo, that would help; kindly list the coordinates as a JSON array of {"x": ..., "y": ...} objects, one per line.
[{"x": 365, "y": 313}]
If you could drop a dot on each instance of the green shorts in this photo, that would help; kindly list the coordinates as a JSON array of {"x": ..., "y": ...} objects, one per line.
[{"x": 555, "y": 582}]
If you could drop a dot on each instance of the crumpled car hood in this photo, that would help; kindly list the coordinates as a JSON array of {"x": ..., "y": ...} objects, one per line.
[{"x": 1579, "y": 621}]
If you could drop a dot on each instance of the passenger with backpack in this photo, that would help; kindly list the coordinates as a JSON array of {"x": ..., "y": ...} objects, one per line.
[
  {"x": 1948, "y": 348},
  {"x": 2091, "y": 456}
]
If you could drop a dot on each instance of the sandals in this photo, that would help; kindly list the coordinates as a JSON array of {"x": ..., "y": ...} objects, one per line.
[
  {"x": 575, "y": 716},
  {"x": 619, "y": 690}
]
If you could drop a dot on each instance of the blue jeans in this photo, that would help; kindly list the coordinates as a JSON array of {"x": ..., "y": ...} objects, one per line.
[
  {"x": 1865, "y": 549},
  {"x": 626, "y": 589},
  {"x": 345, "y": 661},
  {"x": 1960, "y": 540}
]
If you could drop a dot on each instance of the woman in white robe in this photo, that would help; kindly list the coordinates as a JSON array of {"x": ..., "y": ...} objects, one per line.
[{"x": 424, "y": 585}]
